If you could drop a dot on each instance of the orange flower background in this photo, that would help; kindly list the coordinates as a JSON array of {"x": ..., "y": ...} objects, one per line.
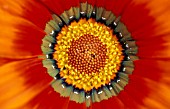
[{"x": 25, "y": 83}]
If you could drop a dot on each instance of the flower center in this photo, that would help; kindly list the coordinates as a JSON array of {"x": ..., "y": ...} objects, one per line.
[{"x": 87, "y": 54}]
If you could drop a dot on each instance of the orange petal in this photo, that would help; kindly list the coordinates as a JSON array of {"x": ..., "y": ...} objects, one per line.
[
  {"x": 151, "y": 69},
  {"x": 5, "y": 61},
  {"x": 153, "y": 37},
  {"x": 20, "y": 82},
  {"x": 21, "y": 39},
  {"x": 157, "y": 48},
  {"x": 148, "y": 93},
  {"x": 117, "y": 6},
  {"x": 74, "y": 105},
  {"x": 145, "y": 20},
  {"x": 30, "y": 10},
  {"x": 160, "y": 98},
  {"x": 48, "y": 99},
  {"x": 149, "y": 84},
  {"x": 23, "y": 24},
  {"x": 112, "y": 102},
  {"x": 59, "y": 6}
]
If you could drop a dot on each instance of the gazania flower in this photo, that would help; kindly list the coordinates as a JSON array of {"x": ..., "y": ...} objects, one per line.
[{"x": 84, "y": 54}]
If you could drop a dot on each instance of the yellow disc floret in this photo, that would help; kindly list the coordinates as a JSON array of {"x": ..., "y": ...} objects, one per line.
[{"x": 88, "y": 54}]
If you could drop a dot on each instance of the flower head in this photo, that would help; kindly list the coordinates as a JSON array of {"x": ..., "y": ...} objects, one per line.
[{"x": 85, "y": 54}]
